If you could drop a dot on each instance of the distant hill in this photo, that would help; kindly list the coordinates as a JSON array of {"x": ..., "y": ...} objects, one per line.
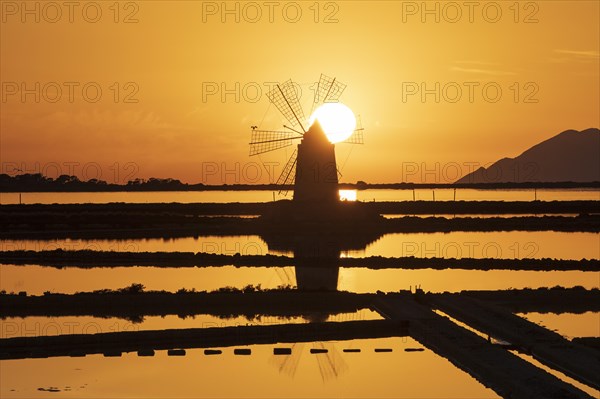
[{"x": 570, "y": 156}]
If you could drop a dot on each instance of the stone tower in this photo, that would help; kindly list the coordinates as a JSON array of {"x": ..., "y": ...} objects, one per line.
[{"x": 316, "y": 170}]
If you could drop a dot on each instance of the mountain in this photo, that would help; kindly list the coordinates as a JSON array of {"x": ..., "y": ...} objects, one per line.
[{"x": 569, "y": 156}]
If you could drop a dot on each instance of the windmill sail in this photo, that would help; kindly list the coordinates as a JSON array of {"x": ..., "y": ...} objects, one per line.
[
  {"x": 285, "y": 98},
  {"x": 289, "y": 364},
  {"x": 263, "y": 141},
  {"x": 328, "y": 90},
  {"x": 357, "y": 135},
  {"x": 331, "y": 364},
  {"x": 288, "y": 175},
  {"x": 356, "y": 138}
]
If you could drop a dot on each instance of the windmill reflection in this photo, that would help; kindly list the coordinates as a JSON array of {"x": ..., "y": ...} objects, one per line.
[
  {"x": 317, "y": 235},
  {"x": 317, "y": 254},
  {"x": 331, "y": 364}
]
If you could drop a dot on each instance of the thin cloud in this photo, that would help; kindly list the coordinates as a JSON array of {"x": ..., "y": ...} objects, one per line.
[
  {"x": 481, "y": 71},
  {"x": 575, "y": 56},
  {"x": 581, "y": 54},
  {"x": 473, "y": 62}
]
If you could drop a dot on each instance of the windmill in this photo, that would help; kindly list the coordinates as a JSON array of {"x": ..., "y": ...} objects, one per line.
[{"x": 311, "y": 168}]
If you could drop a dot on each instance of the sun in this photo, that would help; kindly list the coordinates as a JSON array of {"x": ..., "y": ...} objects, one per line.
[{"x": 336, "y": 119}]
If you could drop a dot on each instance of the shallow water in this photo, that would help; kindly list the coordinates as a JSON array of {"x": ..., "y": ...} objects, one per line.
[
  {"x": 480, "y": 215},
  {"x": 395, "y": 374},
  {"x": 267, "y": 196},
  {"x": 569, "y": 325},
  {"x": 302, "y": 374},
  {"x": 458, "y": 244},
  {"x": 34, "y": 326},
  {"x": 36, "y": 280}
]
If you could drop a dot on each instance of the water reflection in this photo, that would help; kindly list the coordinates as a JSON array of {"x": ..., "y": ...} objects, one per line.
[
  {"x": 480, "y": 215},
  {"x": 317, "y": 254},
  {"x": 498, "y": 244},
  {"x": 469, "y": 194},
  {"x": 326, "y": 354},
  {"x": 318, "y": 259},
  {"x": 226, "y": 245},
  {"x": 569, "y": 325},
  {"x": 211, "y": 376},
  {"x": 32, "y": 326},
  {"x": 35, "y": 280},
  {"x": 186, "y": 197}
]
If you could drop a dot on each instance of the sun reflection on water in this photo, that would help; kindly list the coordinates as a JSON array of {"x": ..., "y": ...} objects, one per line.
[{"x": 347, "y": 195}]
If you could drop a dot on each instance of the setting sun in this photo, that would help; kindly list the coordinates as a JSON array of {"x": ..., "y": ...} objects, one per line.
[
  {"x": 336, "y": 119},
  {"x": 299, "y": 199}
]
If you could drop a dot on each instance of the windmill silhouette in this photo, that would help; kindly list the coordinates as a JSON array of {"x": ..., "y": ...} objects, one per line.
[{"x": 312, "y": 168}]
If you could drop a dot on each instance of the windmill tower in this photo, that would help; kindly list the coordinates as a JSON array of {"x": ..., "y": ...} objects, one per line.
[
  {"x": 316, "y": 171},
  {"x": 312, "y": 167}
]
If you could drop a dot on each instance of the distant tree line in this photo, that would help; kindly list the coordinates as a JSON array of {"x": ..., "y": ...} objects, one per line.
[
  {"x": 36, "y": 182},
  {"x": 30, "y": 182}
]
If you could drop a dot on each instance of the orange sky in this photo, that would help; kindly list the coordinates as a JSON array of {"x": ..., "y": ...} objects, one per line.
[{"x": 177, "y": 50}]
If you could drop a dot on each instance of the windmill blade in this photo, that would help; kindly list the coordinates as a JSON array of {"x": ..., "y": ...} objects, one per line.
[
  {"x": 286, "y": 275},
  {"x": 336, "y": 362},
  {"x": 289, "y": 364},
  {"x": 356, "y": 137},
  {"x": 288, "y": 175},
  {"x": 285, "y": 98},
  {"x": 328, "y": 90},
  {"x": 263, "y": 141},
  {"x": 331, "y": 364}
]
